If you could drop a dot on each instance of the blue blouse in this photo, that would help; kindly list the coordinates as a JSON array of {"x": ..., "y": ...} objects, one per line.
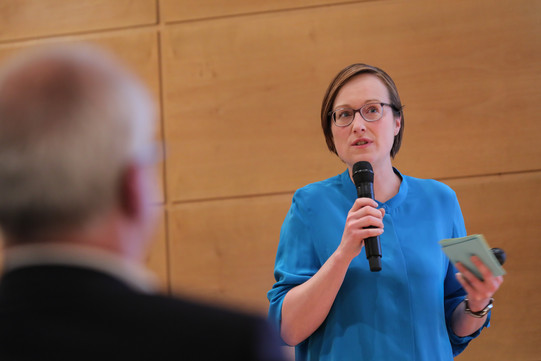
[{"x": 402, "y": 312}]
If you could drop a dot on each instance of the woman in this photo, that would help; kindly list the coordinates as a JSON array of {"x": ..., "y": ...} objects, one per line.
[{"x": 326, "y": 301}]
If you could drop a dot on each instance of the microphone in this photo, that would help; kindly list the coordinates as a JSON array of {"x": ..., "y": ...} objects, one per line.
[
  {"x": 363, "y": 177},
  {"x": 500, "y": 255}
]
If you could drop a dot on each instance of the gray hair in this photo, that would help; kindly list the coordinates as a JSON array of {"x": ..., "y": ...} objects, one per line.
[{"x": 71, "y": 119}]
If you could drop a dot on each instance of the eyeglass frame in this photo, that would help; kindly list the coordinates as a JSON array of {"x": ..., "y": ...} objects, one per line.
[{"x": 333, "y": 118}]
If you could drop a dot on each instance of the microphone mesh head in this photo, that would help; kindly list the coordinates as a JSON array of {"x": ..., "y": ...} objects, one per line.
[{"x": 363, "y": 173}]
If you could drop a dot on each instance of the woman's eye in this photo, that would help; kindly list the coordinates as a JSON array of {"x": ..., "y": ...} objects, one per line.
[
  {"x": 344, "y": 113},
  {"x": 372, "y": 109}
]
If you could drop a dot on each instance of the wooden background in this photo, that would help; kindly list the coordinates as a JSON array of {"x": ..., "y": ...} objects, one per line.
[{"x": 239, "y": 85}]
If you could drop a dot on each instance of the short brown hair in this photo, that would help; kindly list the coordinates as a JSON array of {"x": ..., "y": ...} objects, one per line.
[{"x": 344, "y": 76}]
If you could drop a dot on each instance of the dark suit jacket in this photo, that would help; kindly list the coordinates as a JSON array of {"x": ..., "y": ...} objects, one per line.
[{"x": 69, "y": 313}]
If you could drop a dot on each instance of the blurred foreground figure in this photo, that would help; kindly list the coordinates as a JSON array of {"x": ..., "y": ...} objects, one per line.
[{"x": 77, "y": 179}]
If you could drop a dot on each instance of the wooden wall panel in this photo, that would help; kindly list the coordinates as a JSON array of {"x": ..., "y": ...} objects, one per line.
[
  {"x": 157, "y": 254},
  {"x": 138, "y": 49},
  {"x": 242, "y": 97},
  {"x": 38, "y": 18},
  {"x": 223, "y": 251},
  {"x": 470, "y": 90},
  {"x": 506, "y": 210},
  {"x": 181, "y": 10}
]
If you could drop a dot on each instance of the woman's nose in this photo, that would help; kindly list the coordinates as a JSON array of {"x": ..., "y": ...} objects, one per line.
[{"x": 359, "y": 124}]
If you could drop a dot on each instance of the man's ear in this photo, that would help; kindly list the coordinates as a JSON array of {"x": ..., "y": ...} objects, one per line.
[{"x": 130, "y": 202}]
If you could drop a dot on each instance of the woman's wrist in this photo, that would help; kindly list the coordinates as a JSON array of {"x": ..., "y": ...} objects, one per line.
[
  {"x": 341, "y": 256},
  {"x": 478, "y": 308}
]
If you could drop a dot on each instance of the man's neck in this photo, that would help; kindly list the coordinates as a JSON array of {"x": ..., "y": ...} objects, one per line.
[{"x": 89, "y": 257}]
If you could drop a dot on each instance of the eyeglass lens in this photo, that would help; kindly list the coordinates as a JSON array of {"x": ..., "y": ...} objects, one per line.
[{"x": 370, "y": 112}]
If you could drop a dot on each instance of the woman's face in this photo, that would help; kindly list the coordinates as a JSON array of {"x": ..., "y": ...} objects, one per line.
[{"x": 362, "y": 140}]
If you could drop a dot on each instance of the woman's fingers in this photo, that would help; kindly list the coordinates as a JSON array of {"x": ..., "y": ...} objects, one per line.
[
  {"x": 364, "y": 220},
  {"x": 476, "y": 288},
  {"x": 363, "y": 202}
]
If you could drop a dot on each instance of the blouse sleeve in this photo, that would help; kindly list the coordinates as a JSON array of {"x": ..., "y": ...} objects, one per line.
[
  {"x": 296, "y": 259},
  {"x": 454, "y": 293}
]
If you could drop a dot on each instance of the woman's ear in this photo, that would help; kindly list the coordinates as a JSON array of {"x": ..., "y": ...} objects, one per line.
[{"x": 398, "y": 124}]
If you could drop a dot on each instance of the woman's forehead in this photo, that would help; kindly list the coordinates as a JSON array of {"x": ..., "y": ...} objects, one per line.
[{"x": 362, "y": 88}]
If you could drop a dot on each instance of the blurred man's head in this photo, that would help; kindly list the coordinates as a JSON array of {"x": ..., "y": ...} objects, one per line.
[{"x": 76, "y": 135}]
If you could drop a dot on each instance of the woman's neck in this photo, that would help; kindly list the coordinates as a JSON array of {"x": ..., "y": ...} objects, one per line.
[{"x": 386, "y": 183}]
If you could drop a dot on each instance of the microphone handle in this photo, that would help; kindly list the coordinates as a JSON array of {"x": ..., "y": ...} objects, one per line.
[
  {"x": 372, "y": 244},
  {"x": 365, "y": 190},
  {"x": 373, "y": 251}
]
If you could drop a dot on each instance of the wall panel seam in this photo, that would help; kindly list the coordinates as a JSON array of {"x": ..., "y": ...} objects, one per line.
[
  {"x": 68, "y": 36},
  {"x": 291, "y": 192},
  {"x": 162, "y": 115},
  {"x": 263, "y": 12},
  {"x": 486, "y": 175},
  {"x": 227, "y": 198}
]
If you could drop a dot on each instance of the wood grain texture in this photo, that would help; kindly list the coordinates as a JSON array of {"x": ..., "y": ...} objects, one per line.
[
  {"x": 223, "y": 251},
  {"x": 242, "y": 98},
  {"x": 38, "y": 18},
  {"x": 181, "y": 10},
  {"x": 156, "y": 259},
  {"x": 506, "y": 210}
]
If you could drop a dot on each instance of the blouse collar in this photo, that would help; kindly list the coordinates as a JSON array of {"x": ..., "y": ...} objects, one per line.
[{"x": 392, "y": 203}]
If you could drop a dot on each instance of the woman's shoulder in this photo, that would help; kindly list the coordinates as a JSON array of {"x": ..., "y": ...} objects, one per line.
[
  {"x": 323, "y": 188},
  {"x": 431, "y": 187}
]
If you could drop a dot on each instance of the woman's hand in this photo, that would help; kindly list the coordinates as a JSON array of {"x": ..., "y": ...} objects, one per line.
[
  {"x": 479, "y": 294},
  {"x": 479, "y": 291},
  {"x": 363, "y": 214}
]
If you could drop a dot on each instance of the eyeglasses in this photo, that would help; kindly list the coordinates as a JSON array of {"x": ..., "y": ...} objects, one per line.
[{"x": 370, "y": 112}]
